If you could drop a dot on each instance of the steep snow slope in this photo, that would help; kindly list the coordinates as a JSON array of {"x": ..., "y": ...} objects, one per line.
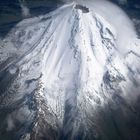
[
  {"x": 117, "y": 18},
  {"x": 62, "y": 76}
]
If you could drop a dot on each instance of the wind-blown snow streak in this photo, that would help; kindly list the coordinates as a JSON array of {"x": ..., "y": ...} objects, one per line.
[{"x": 62, "y": 76}]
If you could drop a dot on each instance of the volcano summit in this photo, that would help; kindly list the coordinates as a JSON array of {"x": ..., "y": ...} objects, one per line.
[{"x": 64, "y": 77}]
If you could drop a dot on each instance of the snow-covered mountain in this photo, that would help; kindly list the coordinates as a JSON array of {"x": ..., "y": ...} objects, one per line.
[{"x": 63, "y": 76}]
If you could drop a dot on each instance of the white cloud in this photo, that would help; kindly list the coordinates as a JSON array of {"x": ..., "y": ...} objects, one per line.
[
  {"x": 25, "y": 9},
  {"x": 10, "y": 123},
  {"x": 122, "y": 2}
]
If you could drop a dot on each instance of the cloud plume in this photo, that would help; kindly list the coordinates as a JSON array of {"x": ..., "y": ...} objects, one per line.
[{"x": 25, "y": 10}]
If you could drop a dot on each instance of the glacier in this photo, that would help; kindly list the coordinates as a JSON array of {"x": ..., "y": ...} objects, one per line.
[{"x": 68, "y": 75}]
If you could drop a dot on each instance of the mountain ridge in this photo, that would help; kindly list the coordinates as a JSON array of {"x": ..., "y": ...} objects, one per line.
[{"x": 64, "y": 70}]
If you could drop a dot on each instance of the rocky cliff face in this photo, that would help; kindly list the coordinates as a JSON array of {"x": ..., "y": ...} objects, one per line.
[{"x": 62, "y": 76}]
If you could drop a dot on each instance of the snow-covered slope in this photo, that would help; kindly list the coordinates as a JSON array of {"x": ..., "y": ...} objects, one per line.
[{"x": 62, "y": 76}]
